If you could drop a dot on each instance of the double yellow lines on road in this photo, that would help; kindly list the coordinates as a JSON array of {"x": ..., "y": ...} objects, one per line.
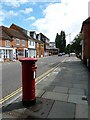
[
  {"x": 10, "y": 95},
  {"x": 37, "y": 81}
]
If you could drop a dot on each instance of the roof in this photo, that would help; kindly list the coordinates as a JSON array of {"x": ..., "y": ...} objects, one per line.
[
  {"x": 14, "y": 33},
  {"x": 44, "y": 36},
  {"x": 87, "y": 21},
  {"x": 20, "y": 29},
  {"x": 38, "y": 41},
  {"x": 3, "y": 34},
  {"x": 24, "y": 32}
]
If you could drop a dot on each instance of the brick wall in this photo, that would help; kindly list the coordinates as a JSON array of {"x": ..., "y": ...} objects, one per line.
[{"x": 86, "y": 37}]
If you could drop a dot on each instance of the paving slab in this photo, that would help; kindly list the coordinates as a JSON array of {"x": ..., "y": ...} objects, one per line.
[
  {"x": 45, "y": 83},
  {"x": 14, "y": 110},
  {"x": 77, "y": 91},
  {"x": 39, "y": 110},
  {"x": 46, "y": 88},
  {"x": 62, "y": 110},
  {"x": 39, "y": 93},
  {"x": 62, "y": 84},
  {"x": 81, "y": 111},
  {"x": 76, "y": 99},
  {"x": 60, "y": 89},
  {"x": 55, "y": 96},
  {"x": 80, "y": 82},
  {"x": 80, "y": 86}
]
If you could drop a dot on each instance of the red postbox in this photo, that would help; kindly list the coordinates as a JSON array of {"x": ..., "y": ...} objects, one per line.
[{"x": 28, "y": 81}]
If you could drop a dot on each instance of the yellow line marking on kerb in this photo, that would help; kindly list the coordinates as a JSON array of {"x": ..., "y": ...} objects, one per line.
[{"x": 37, "y": 81}]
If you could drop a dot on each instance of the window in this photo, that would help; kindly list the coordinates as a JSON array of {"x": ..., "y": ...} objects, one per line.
[
  {"x": 20, "y": 52},
  {"x": 23, "y": 42},
  {"x": 7, "y": 43},
  {"x": 17, "y": 41},
  {"x": 30, "y": 42},
  {"x": 33, "y": 43}
]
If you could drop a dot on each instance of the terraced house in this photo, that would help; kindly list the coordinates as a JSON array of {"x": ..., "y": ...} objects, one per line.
[
  {"x": 39, "y": 44},
  {"x": 46, "y": 41},
  {"x": 16, "y": 43},
  {"x": 31, "y": 50},
  {"x": 13, "y": 44},
  {"x": 6, "y": 50}
]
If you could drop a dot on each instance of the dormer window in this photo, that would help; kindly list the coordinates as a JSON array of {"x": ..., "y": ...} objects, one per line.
[
  {"x": 7, "y": 43},
  {"x": 17, "y": 41}
]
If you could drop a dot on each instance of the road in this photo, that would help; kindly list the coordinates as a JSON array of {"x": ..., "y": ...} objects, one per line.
[{"x": 12, "y": 75}]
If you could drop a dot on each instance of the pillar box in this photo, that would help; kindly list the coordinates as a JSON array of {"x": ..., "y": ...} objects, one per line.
[{"x": 28, "y": 81}]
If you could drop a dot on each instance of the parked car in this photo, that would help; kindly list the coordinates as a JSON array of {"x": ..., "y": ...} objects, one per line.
[
  {"x": 72, "y": 54},
  {"x": 59, "y": 54},
  {"x": 63, "y": 53}
]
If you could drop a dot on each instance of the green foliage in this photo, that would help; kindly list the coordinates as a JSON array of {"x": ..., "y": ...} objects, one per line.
[
  {"x": 75, "y": 45},
  {"x": 60, "y": 41}
]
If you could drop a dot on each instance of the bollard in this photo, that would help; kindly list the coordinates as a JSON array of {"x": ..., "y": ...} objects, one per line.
[{"x": 28, "y": 81}]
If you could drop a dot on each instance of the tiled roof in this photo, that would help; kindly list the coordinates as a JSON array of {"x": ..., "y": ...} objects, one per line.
[
  {"x": 23, "y": 31},
  {"x": 3, "y": 34},
  {"x": 20, "y": 29},
  {"x": 14, "y": 33}
]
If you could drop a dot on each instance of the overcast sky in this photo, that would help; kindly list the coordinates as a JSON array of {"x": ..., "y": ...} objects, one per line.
[{"x": 48, "y": 17}]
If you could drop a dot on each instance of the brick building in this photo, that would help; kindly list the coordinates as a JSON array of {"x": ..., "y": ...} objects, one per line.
[
  {"x": 39, "y": 44},
  {"x": 46, "y": 41},
  {"x": 31, "y": 50},
  {"x": 13, "y": 44},
  {"x": 85, "y": 30}
]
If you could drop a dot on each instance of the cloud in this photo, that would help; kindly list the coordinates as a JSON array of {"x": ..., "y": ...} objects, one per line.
[
  {"x": 11, "y": 13},
  {"x": 6, "y": 14},
  {"x": 67, "y": 15},
  {"x": 17, "y": 3},
  {"x": 27, "y": 10},
  {"x": 14, "y": 3},
  {"x": 30, "y": 18}
]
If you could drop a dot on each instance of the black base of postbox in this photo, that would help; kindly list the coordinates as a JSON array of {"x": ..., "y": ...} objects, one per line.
[{"x": 28, "y": 103}]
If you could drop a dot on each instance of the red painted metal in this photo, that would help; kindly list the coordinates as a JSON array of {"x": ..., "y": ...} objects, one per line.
[{"x": 28, "y": 81}]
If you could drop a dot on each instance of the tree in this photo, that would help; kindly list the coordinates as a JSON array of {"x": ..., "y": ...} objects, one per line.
[
  {"x": 75, "y": 45},
  {"x": 61, "y": 41},
  {"x": 57, "y": 41}
]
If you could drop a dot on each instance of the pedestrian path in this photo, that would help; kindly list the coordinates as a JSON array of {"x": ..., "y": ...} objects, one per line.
[{"x": 58, "y": 95}]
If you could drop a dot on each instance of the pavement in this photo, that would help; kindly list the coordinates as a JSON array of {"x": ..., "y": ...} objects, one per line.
[{"x": 63, "y": 93}]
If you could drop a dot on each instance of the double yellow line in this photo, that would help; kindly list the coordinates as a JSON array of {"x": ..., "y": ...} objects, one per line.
[
  {"x": 10, "y": 95},
  {"x": 37, "y": 81}
]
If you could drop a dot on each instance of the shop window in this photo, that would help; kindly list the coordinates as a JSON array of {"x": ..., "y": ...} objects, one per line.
[{"x": 20, "y": 52}]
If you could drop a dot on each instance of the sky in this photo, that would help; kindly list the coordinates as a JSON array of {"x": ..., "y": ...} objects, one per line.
[{"x": 48, "y": 17}]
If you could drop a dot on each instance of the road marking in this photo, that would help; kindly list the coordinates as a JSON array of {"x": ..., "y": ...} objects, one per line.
[{"x": 38, "y": 80}]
